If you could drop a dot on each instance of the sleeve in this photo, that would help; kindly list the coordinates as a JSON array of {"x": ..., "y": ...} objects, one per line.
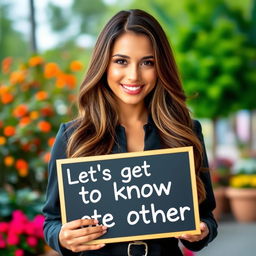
[
  {"x": 51, "y": 209},
  {"x": 208, "y": 205}
]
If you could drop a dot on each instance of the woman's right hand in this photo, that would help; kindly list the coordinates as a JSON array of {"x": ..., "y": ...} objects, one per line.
[{"x": 75, "y": 234}]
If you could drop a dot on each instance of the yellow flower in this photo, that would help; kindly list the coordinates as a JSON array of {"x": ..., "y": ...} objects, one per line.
[
  {"x": 8, "y": 160},
  {"x": 34, "y": 115},
  {"x": 2, "y": 140},
  {"x": 253, "y": 181},
  {"x": 236, "y": 182}
]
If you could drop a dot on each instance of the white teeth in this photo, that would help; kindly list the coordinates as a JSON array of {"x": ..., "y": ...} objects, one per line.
[{"x": 131, "y": 88}]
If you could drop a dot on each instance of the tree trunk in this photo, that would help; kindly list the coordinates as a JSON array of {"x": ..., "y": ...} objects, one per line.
[
  {"x": 214, "y": 139},
  {"x": 33, "y": 42},
  {"x": 251, "y": 131}
]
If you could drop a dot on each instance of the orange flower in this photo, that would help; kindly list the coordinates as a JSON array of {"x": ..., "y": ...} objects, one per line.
[
  {"x": 2, "y": 140},
  {"x": 17, "y": 76},
  {"x": 71, "y": 81},
  {"x": 9, "y": 131},
  {"x": 66, "y": 79},
  {"x": 3, "y": 89},
  {"x": 51, "y": 141},
  {"x": 41, "y": 95},
  {"x": 6, "y": 64},
  {"x": 21, "y": 164},
  {"x": 44, "y": 126},
  {"x": 47, "y": 157},
  {"x": 25, "y": 121},
  {"x": 35, "y": 61},
  {"x": 9, "y": 161},
  {"x": 34, "y": 115},
  {"x": 6, "y": 98},
  {"x": 23, "y": 172},
  {"x": 20, "y": 111},
  {"x": 51, "y": 70},
  {"x": 75, "y": 66}
]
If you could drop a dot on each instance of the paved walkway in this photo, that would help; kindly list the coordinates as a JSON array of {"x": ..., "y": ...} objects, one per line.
[{"x": 234, "y": 239}]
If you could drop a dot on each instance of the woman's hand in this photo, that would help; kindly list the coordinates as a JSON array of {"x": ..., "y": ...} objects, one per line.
[
  {"x": 73, "y": 235},
  {"x": 195, "y": 238}
]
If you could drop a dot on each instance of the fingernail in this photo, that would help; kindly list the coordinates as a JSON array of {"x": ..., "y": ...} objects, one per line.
[
  {"x": 104, "y": 227},
  {"x": 96, "y": 221},
  {"x": 102, "y": 245}
]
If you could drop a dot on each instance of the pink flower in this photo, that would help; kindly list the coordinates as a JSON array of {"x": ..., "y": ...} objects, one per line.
[
  {"x": 32, "y": 241},
  {"x": 187, "y": 252},
  {"x": 19, "y": 216},
  {"x": 4, "y": 227},
  {"x": 16, "y": 227},
  {"x": 38, "y": 225},
  {"x": 2, "y": 242},
  {"x": 12, "y": 239},
  {"x": 30, "y": 229},
  {"x": 19, "y": 252}
]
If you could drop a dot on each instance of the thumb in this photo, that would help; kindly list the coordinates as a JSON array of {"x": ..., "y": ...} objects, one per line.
[{"x": 203, "y": 226}]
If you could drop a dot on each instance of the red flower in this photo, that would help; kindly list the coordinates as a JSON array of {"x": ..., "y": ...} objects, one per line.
[
  {"x": 9, "y": 131},
  {"x": 44, "y": 126},
  {"x": 20, "y": 111}
]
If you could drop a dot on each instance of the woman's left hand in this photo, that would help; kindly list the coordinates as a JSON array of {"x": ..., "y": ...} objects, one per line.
[{"x": 195, "y": 238}]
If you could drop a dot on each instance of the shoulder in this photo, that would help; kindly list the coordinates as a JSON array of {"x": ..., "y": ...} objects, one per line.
[
  {"x": 66, "y": 129},
  {"x": 197, "y": 128}
]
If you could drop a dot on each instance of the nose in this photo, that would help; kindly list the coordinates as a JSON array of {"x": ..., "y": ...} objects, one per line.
[{"x": 133, "y": 73}]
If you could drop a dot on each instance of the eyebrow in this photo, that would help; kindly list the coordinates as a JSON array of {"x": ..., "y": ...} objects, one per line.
[{"x": 127, "y": 57}]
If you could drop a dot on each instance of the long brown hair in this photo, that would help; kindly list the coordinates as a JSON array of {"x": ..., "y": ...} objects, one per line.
[{"x": 97, "y": 117}]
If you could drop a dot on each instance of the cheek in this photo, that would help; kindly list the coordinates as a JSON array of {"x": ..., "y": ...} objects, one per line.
[
  {"x": 114, "y": 74},
  {"x": 151, "y": 77}
]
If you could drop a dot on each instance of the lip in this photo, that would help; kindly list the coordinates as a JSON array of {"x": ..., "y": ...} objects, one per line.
[{"x": 130, "y": 88}]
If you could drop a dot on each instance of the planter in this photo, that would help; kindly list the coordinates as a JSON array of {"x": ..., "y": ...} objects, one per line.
[
  {"x": 243, "y": 203},
  {"x": 221, "y": 202}
]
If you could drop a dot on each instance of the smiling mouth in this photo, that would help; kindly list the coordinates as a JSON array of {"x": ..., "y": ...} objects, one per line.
[{"x": 132, "y": 88}]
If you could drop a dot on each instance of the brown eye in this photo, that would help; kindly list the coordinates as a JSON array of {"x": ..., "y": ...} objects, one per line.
[
  {"x": 148, "y": 63},
  {"x": 120, "y": 61}
]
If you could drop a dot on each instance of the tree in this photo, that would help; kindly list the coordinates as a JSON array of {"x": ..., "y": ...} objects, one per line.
[
  {"x": 214, "y": 55},
  {"x": 79, "y": 19},
  {"x": 11, "y": 41}
]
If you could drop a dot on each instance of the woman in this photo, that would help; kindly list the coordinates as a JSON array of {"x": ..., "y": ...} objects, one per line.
[{"x": 130, "y": 100}]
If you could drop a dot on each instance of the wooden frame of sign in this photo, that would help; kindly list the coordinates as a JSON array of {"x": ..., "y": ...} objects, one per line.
[{"x": 143, "y": 195}]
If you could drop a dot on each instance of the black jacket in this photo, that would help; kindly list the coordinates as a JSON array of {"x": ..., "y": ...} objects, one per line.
[{"x": 169, "y": 246}]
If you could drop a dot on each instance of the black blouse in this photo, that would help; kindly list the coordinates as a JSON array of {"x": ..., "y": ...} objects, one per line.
[{"x": 168, "y": 246}]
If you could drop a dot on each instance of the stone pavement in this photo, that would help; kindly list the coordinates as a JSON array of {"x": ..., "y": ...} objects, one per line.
[{"x": 234, "y": 239}]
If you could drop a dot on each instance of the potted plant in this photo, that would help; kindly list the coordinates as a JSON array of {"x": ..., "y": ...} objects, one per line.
[
  {"x": 242, "y": 190},
  {"x": 220, "y": 179}
]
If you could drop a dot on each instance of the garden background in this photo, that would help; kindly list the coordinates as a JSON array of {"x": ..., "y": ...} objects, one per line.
[{"x": 45, "y": 47}]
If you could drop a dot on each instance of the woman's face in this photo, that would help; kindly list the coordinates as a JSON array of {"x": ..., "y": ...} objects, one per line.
[{"x": 131, "y": 73}]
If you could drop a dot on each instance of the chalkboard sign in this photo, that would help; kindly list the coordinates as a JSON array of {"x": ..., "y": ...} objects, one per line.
[{"x": 143, "y": 195}]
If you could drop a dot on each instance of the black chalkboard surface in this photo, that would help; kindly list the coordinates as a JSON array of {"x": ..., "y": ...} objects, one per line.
[{"x": 142, "y": 195}]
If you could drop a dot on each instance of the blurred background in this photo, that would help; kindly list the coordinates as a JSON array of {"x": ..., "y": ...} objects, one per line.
[{"x": 45, "y": 47}]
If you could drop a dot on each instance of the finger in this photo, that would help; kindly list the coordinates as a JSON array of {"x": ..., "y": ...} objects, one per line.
[
  {"x": 79, "y": 223},
  {"x": 86, "y": 231},
  {"x": 203, "y": 227},
  {"x": 85, "y": 239},
  {"x": 89, "y": 247}
]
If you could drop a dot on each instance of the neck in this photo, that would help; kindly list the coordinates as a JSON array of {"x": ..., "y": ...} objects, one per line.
[{"x": 129, "y": 115}]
